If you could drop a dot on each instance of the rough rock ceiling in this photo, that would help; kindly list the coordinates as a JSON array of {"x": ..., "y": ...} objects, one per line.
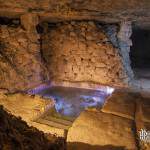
[{"x": 101, "y": 10}]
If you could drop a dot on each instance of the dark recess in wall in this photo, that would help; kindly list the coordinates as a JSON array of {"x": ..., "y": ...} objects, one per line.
[
  {"x": 9, "y": 22},
  {"x": 140, "y": 50}
]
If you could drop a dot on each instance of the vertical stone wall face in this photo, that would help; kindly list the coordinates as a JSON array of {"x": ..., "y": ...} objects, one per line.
[
  {"x": 80, "y": 51},
  {"x": 20, "y": 60}
]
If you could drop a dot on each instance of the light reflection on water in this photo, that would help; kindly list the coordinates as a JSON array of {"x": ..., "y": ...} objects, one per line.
[{"x": 71, "y": 101}]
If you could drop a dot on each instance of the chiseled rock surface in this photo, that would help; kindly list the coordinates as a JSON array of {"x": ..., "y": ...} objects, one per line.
[
  {"x": 21, "y": 64},
  {"x": 122, "y": 104},
  {"x": 109, "y": 11},
  {"x": 101, "y": 129},
  {"x": 85, "y": 53}
]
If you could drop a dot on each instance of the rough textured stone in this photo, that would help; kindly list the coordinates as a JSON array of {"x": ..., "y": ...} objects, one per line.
[
  {"x": 84, "y": 53},
  {"x": 21, "y": 136},
  {"x": 121, "y": 104},
  {"x": 101, "y": 129},
  {"x": 108, "y": 11},
  {"x": 21, "y": 65},
  {"x": 29, "y": 21}
]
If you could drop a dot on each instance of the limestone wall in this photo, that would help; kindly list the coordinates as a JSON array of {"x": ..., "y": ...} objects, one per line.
[
  {"x": 21, "y": 65},
  {"x": 81, "y": 51}
]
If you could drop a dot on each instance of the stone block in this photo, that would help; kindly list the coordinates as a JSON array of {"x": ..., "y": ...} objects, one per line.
[
  {"x": 101, "y": 129},
  {"x": 121, "y": 104}
]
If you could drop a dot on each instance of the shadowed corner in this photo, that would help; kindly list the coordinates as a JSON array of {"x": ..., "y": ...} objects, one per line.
[{"x": 84, "y": 146}]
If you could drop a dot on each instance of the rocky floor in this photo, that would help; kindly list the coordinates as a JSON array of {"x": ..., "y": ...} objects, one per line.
[{"x": 114, "y": 127}]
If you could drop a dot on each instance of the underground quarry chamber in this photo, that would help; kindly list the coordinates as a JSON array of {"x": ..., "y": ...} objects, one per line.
[{"x": 76, "y": 79}]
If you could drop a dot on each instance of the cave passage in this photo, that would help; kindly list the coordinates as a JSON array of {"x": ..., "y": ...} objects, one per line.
[{"x": 140, "y": 53}]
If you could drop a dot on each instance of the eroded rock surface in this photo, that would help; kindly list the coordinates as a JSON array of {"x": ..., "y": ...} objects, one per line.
[
  {"x": 108, "y": 11},
  {"x": 21, "y": 64}
]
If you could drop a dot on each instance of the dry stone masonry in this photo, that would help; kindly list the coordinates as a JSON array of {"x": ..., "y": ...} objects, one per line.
[
  {"x": 77, "y": 51},
  {"x": 82, "y": 52}
]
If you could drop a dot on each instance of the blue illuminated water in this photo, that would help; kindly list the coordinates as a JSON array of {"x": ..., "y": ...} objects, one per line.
[{"x": 71, "y": 101}]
